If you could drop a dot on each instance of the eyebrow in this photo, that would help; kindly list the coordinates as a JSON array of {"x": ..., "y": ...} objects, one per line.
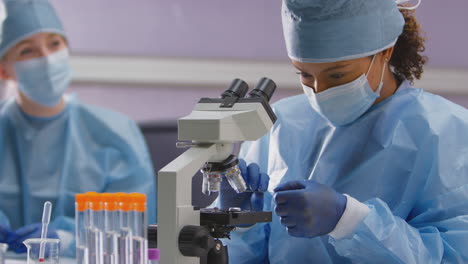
[
  {"x": 297, "y": 68},
  {"x": 29, "y": 41},
  {"x": 23, "y": 42},
  {"x": 51, "y": 35},
  {"x": 337, "y": 67}
]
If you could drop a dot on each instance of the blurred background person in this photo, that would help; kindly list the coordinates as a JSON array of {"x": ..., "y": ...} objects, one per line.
[{"x": 54, "y": 146}]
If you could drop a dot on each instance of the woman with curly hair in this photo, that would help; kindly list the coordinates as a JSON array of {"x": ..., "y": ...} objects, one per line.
[{"x": 363, "y": 168}]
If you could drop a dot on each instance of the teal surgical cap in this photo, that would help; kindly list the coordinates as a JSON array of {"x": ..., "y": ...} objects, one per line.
[
  {"x": 26, "y": 18},
  {"x": 335, "y": 30}
]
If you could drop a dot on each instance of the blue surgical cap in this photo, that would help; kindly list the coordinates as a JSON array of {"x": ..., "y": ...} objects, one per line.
[
  {"x": 26, "y": 18},
  {"x": 336, "y": 30}
]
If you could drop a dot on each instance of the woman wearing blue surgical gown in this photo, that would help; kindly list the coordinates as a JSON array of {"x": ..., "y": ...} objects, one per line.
[
  {"x": 363, "y": 167},
  {"x": 52, "y": 146}
]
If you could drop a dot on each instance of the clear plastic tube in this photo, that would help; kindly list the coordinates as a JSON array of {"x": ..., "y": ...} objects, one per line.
[
  {"x": 3, "y": 250},
  {"x": 95, "y": 231},
  {"x": 117, "y": 223},
  {"x": 126, "y": 236},
  {"x": 139, "y": 228},
  {"x": 111, "y": 228},
  {"x": 81, "y": 226},
  {"x": 111, "y": 246},
  {"x": 47, "y": 211},
  {"x": 117, "y": 214}
]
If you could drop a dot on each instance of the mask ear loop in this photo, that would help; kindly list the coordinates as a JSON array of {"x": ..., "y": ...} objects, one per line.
[
  {"x": 407, "y": 7},
  {"x": 370, "y": 66},
  {"x": 382, "y": 77}
]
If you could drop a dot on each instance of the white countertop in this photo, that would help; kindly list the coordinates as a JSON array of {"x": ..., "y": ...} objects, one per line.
[{"x": 23, "y": 261}]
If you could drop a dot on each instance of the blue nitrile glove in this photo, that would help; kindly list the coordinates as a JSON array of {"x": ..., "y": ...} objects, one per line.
[
  {"x": 308, "y": 208},
  {"x": 5, "y": 233},
  {"x": 15, "y": 241},
  {"x": 252, "y": 200}
]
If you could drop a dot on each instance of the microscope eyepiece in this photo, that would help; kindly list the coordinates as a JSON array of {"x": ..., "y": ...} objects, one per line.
[
  {"x": 238, "y": 88},
  {"x": 265, "y": 89}
]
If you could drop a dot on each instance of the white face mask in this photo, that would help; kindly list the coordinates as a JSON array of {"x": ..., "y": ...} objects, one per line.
[{"x": 343, "y": 104}]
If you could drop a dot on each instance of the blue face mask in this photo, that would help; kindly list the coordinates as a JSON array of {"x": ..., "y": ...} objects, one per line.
[
  {"x": 343, "y": 104},
  {"x": 44, "y": 80}
]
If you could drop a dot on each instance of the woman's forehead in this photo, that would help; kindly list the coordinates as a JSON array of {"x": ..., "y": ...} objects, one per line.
[{"x": 328, "y": 66}]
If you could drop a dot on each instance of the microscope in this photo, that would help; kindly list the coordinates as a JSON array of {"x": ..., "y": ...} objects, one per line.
[{"x": 189, "y": 235}]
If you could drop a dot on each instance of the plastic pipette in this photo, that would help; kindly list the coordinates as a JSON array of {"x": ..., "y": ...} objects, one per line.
[{"x": 45, "y": 225}]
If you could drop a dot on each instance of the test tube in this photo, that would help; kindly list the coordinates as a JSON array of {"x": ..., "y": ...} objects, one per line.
[
  {"x": 111, "y": 246},
  {"x": 96, "y": 229},
  {"x": 126, "y": 236},
  {"x": 139, "y": 227},
  {"x": 47, "y": 211},
  {"x": 117, "y": 213},
  {"x": 81, "y": 226}
]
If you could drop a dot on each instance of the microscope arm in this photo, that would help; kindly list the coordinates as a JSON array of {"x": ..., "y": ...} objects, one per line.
[{"x": 175, "y": 198}]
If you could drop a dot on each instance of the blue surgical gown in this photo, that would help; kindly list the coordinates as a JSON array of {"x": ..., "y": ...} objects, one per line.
[
  {"x": 85, "y": 148},
  {"x": 406, "y": 159}
]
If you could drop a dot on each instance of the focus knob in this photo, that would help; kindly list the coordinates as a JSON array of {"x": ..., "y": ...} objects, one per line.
[{"x": 195, "y": 241}]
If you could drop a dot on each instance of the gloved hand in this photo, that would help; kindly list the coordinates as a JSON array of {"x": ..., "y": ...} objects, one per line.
[
  {"x": 250, "y": 200},
  {"x": 5, "y": 233},
  {"x": 307, "y": 208},
  {"x": 15, "y": 241}
]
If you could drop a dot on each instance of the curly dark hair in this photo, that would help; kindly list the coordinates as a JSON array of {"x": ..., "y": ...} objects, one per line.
[{"x": 407, "y": 61}]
